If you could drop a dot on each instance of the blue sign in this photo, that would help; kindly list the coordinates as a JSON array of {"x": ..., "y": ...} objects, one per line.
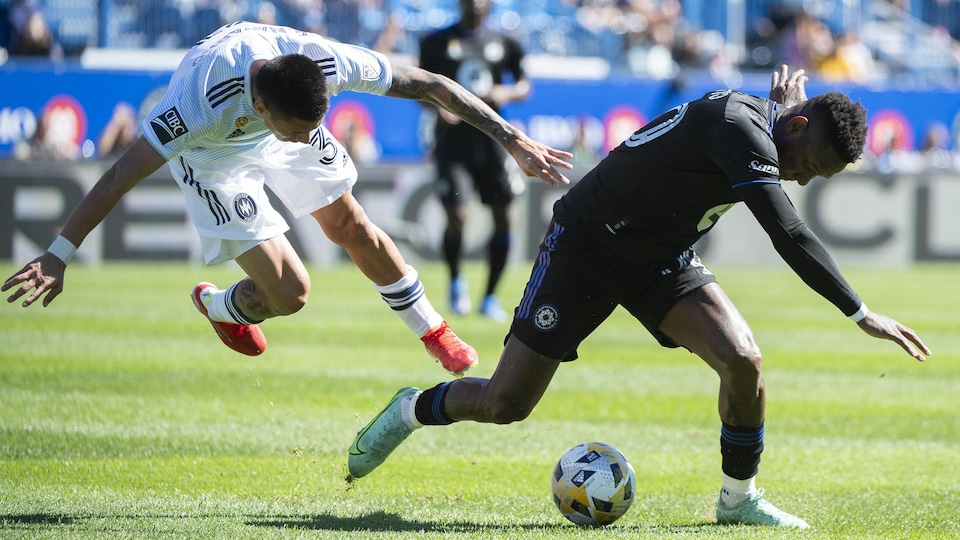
[{"x": 70, "y": 107}]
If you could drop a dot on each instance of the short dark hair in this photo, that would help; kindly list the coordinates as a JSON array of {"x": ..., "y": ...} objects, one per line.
[
  {"x": 293, "y": 85},
  {"x": 844, "y": 125}
]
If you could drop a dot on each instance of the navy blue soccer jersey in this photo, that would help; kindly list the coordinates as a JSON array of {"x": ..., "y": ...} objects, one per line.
[
  {"x": 478, "y": 60},
  {"x": 666, "y": 186},
  {"x": 669, "y": 182}
]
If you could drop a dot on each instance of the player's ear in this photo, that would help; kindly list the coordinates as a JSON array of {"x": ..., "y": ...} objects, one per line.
[
  {"x": 259, "y": 106},
  {"x": 797, "y": 124}
]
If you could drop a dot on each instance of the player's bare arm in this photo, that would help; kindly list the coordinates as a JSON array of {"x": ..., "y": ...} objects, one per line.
[
  {"x": 534, "y": 158},
  {"x": 881, "y": 326},
  {"x": 788, "y": 89},
  {"x": 44, "y": 275}
]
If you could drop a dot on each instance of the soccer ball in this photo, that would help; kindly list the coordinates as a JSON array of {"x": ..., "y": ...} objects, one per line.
[{"x": 593, "y": 484}]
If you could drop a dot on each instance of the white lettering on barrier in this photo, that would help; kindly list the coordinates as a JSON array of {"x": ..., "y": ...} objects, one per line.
[
  {"x": 16, "y": 125},
  {"x": 863, "y": 219}
]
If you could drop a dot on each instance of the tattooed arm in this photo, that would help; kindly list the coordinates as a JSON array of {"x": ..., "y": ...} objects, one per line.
[{"x": 534, "y": 158}]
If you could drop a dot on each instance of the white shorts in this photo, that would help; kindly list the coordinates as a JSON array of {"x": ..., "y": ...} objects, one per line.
[{"x": 227, "y": 203}]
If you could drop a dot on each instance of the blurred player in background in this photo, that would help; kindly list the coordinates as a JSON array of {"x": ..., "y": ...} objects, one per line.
[
  {"x": 488, "y": 64},
  {"x": 244, "y": 111},
  {"x": 622, "y": 236}
]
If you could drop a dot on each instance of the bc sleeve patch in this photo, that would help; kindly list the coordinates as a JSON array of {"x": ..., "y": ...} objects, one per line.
[{"x": 169, "y": 125}]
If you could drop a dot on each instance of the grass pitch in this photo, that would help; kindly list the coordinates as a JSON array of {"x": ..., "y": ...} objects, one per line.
[{"x": 123, "y": 416}]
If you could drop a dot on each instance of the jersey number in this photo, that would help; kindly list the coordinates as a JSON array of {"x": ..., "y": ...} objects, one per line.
[
  {"x": 712, "y": 215},
  {"x": 650, "y": 132},
  {"x": 328, "y": 147}
]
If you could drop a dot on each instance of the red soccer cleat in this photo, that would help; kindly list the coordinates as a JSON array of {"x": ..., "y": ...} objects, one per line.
[
  {"x": 246, "y": 339},
  {"x": 452, "y": 352}
]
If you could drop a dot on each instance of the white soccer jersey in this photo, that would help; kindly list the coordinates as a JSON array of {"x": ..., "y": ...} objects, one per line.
[
  {"x": 222, "y": 154},
  {"x": 207, "y": 112}
]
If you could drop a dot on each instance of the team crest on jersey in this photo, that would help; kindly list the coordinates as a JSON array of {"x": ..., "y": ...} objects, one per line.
[
  {"x": 245, "y": 207},
  {"x": 370, "y": 70},
  {"x": 546, "y": 318},
  {"x": 169, "y": 125}
]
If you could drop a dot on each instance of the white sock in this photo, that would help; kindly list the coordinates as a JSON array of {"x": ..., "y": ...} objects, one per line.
[
  {"x": 734, "y": 490},
  {"x": 216, "y": 303},
  {"x": 408, "y": 407},
  {"x": 407, "y": 298},
  {"x": 220, "y": 306}
]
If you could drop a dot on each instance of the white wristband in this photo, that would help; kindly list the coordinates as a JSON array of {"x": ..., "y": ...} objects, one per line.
[
  {"x": 860, "y": 314},
  {"x": 62, "y": 249}
]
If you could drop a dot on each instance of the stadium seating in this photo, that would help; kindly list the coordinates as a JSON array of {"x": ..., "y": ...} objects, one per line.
[{"x": 917, "y": 41}]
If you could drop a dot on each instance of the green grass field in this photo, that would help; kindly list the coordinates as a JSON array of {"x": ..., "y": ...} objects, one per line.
[{"x": 123, "y": 416}]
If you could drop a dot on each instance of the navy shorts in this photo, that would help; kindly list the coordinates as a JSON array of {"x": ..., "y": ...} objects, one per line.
[
  {"x": 570, "y": 293},
  {"x": 457, "y": 179}
]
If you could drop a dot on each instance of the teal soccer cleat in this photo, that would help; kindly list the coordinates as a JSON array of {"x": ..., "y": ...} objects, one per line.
[
  {"x": 380, "y": 437},
  {"x": 754, "y": 510}
]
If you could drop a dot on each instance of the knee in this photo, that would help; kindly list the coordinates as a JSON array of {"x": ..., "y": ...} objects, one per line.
[
  {"x": 292, "y": 298},
  {"x": 506, "y": 412},
  {"x": 742, "y": 364}
]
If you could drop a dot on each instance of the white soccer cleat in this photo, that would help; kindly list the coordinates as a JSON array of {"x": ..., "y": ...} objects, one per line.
[
  {"x": 380, "y": 437},
  {"x": 755, "y": 510}
]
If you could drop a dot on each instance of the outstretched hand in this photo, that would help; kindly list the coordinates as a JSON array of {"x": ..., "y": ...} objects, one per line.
[
  {"x": 788, "y": 90},
  {"x": 538, "y": 159},
  {"x": 43, "y": 275},
  {"x": 881, "y": 326}
]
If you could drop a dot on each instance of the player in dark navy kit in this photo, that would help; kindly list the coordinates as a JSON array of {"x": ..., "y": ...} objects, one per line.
[
  {"x": 488, "y": 64},
  {"x": 622, "y": 237}
]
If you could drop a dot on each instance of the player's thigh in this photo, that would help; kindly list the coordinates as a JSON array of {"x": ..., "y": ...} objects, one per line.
[
  {"x": 454, "y": 183},
  {"x": 493, "y": 183},
  {"x": 276, "y": 269},
  {"x": 568, "y": 295},
  {"x": 707, "y": 323}
]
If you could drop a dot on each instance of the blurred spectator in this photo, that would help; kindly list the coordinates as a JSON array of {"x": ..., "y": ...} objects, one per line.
[
  {"x": 266, "y": 13},
  {"x": 30, "y": 35},
  {"x": 806, "y": 42},
  {"x": 850, "y": 60},
  {"x": 935, "y": 147},
  {"x": 120, "y": 132}
]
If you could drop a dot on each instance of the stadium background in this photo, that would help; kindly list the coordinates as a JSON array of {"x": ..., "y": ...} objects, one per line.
[{"x": 600, "y": 69}]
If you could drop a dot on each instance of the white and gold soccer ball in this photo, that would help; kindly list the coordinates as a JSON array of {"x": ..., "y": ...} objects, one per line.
[{"x": 593, "y": 484}]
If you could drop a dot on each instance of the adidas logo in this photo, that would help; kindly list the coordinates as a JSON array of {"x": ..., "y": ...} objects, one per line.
[{"x": 236, "y": 133}]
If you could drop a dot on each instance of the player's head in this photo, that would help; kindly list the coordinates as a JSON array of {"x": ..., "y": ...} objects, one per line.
[
  {"x": 820, "y": 137},
  {"x": 474, "y": 12},
  {"x": 293, "y": 91},
  {"x": 843, "y": 123}
]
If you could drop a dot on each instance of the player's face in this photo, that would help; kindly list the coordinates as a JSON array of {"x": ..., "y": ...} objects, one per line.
[
  {"x": 290, "y": 129},
  {"x": 806, "y": 157},
  {"x": 475, "y": 10}
]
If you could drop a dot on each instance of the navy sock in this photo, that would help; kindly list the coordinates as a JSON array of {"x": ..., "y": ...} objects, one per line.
[
  {"x": 451, "y": 252},
  {"x": 497, "y": 251},
  {"x": 430, "y": 409},
  {"x": 740, "y": 448}
]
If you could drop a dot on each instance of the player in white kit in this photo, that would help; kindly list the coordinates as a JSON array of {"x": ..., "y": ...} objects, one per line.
[{"x": 244, "y": 110}]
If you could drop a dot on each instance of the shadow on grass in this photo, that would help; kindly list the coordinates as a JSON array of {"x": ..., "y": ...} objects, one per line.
[
  {"x": 36, "y": 519},
  {"x": 383, "y": 521}
]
